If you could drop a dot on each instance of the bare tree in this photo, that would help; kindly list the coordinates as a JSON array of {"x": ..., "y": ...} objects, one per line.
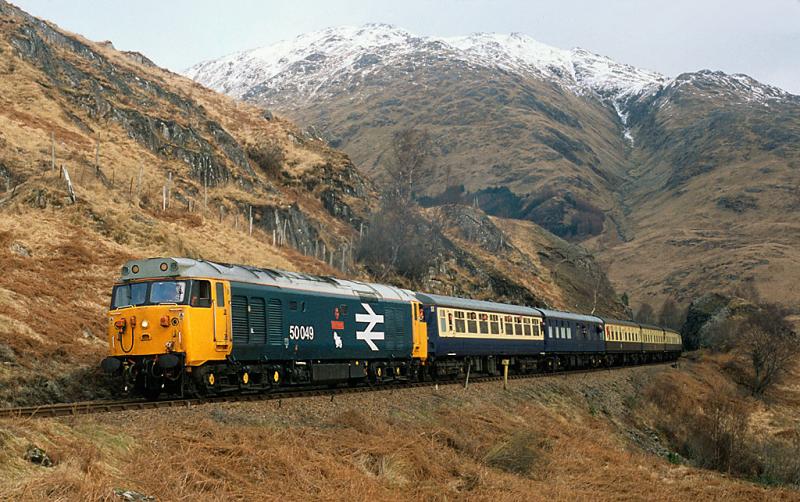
[
  {"x": 768, "y": 341},
  {"x": 670, "y": 316},
  {"x": 646, "y": 314},
  {"x": 408, "y": 164},
  {"x": 398, "y": 239}
]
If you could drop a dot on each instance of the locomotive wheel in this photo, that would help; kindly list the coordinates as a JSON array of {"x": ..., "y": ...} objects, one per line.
[
  {"x": 205, "y": 382},
  {"x": 151, "y": 392}
]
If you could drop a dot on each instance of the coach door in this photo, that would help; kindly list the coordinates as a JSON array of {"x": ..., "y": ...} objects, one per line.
[{"x": 221, "y": 311}]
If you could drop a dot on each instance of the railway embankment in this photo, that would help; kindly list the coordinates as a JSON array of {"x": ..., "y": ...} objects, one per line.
[{"x": 602, "y": 436}]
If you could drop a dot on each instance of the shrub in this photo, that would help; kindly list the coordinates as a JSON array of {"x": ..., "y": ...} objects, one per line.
[
  {"x": 517, "y": 455},
  {"x": 268, "y": 157}
]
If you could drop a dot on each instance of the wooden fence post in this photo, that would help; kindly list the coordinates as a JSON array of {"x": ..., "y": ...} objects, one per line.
[{"x": 70, "y": 191}]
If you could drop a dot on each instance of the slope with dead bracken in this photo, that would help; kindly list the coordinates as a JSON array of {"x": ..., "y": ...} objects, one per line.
[
  {"x": 134, "y": 138},
  {"x": 562, "y": 438}
]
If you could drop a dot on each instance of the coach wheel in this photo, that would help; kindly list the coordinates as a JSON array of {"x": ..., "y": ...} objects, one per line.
[
  {"x": 276, "y": 377},
  {"x": 211, "y": 380},
  {"x": 245, "y": 378}
]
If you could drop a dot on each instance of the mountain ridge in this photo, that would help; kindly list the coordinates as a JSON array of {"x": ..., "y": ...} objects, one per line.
[{"x": 595, "y": 151}]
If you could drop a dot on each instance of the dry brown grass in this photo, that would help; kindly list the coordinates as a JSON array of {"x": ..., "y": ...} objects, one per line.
[{"x": 537, "y": 442}]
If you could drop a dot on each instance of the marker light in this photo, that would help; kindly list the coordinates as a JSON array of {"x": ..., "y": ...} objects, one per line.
[
  {"x": 164, "y": 267},
  {"x": 145, "y": 324}
]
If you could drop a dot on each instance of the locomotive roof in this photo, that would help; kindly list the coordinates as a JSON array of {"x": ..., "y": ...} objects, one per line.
[
  {"x": 154, "y": 268},
  {"x": 464, "y": 303}
]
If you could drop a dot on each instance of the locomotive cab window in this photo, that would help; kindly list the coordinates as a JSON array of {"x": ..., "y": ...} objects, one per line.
[
  {"x": 129, "y": 295},
  {"x": 201, "y": 294},
  {"x": 167, "y": 292}
]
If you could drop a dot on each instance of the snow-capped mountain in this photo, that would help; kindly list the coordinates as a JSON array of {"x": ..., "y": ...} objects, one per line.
[
  {"x": 313, "y": 61},
  {"x": 624, "y": 159}
]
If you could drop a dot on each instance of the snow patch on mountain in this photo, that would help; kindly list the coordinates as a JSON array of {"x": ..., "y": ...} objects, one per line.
[
  {"x": 315, "y": 60},
  {"x": 738, "y": 86}
]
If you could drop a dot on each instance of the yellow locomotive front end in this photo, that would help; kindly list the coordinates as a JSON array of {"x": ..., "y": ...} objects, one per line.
[{"x": 163, "y": 323}]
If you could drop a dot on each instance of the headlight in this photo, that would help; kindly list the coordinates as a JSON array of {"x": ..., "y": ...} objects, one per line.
[{"x": 145, "y": 324}]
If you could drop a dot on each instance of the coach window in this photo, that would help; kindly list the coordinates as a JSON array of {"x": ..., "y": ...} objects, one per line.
[
  {"x": 526, "y": 326},
  {"x": 460, "y": 325},
  {"x": 494, "y": 324},
  {"x": 536, "y": 328},
  {"x": 201, "y": 294},
  {"x": 472, "y": 323},
  {"x": 442, "y": 323},
  {"x": 508, "y": 325},
  {"x": 449, "y": 321},
  {"x": 518, "y": 325},
  {"x": 484, "y": 324}
]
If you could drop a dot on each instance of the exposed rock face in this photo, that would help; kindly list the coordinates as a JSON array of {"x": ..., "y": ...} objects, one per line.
[{"x": 6, "y": 178}]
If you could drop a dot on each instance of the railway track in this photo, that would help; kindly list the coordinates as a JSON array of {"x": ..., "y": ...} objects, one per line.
[{"x": 92, "y": 407}]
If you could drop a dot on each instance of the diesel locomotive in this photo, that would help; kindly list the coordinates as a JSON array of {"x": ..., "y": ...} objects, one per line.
[{"x": 181, "y": 326}]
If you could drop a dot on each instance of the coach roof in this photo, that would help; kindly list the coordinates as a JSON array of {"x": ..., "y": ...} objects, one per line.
[
  {"x": 463, "y": 303},
  {"x": 569, "y": 316}
]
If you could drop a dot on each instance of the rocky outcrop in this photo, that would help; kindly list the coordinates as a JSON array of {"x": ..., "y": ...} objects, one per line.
[
  {"x": 475, "y": 226},
  {"x": 109, "y": 91}
]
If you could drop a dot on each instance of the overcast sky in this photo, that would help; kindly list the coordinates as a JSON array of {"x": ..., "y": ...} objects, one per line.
[{"x": 758, "y": 37}]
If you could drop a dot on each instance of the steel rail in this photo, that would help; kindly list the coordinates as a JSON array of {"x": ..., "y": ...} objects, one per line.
[{"x": 92, "y": 407}]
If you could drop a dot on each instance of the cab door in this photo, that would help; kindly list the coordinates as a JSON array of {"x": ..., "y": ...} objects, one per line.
[
  {"x": 419, "y": 330},
  {"x": 221, "y": 315}
]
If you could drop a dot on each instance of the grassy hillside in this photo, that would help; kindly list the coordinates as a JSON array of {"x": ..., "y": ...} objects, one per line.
[
  {"x": 713, "y": 194},
  {"x": 128, "y": 133}
]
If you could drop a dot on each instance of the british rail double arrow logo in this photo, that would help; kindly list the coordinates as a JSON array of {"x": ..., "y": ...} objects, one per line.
[{"x": 372, "y": 319}]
